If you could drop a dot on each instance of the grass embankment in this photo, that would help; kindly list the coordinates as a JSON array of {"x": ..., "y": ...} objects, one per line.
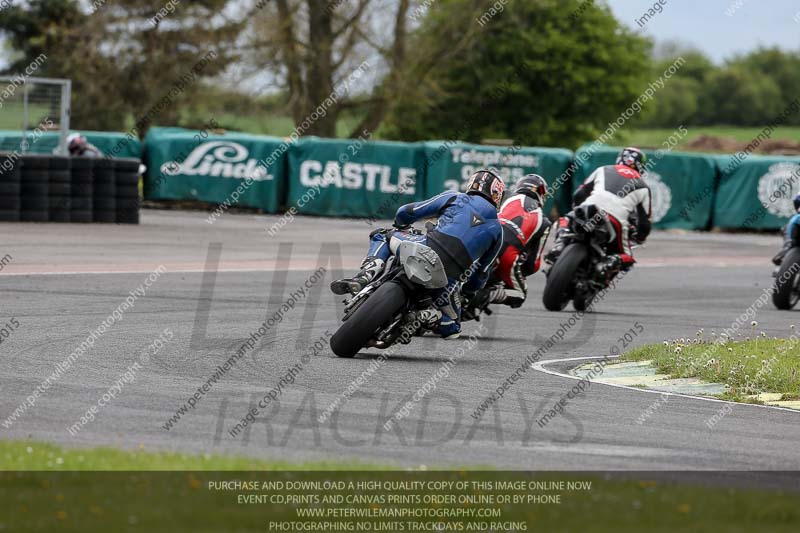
[
  {"x": 186, "y": 501},
  {"x": 39, "y": 456},
  {"x": 747, "y": 367}
]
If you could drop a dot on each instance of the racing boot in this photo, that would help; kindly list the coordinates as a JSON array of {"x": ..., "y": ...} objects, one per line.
[{"x": 370, "y": 268}]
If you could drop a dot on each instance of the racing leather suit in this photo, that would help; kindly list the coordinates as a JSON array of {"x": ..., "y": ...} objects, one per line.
[
  {"x": 467, "y": 238},
  {"x": 622, "y": 194},
  {"x": 524, "y": 229}
]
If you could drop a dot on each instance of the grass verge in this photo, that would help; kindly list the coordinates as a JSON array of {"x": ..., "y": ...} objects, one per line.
[
  {"x": 39, "y": 456},
  {"x": 189, "y": 500},
  {"x": 748, "y": 367}
]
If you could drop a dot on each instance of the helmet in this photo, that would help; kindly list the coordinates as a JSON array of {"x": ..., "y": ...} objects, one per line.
[
  {"x": 633, "y": 158},
  {"x": 796, "y": 202},
  {"x": 487, "y": 184},
  {"x": 532, "y": 185},
  {"x": 76, "y": 141}
]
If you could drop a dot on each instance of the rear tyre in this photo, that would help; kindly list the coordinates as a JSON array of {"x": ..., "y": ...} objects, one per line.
[
  {"x": 787, "y": 282},
  {"x": 557, "y": 290},
  {"x": 375, "y": 313}
]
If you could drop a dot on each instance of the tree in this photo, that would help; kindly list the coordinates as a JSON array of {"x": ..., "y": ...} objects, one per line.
[
  {"x": 678, "y": 102},
  {"x": 125, "y": 57},
  {"x": 311, "y": 47},
  {"x": 781, "y": 67},
  {"x": 532, "y": 72},
  {"x": 740, "y": 97}
]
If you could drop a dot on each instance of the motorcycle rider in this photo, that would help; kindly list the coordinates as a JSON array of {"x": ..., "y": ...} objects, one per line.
[
  {"x": 791, "y": 227},
  {"x": 467, "y": 238},
  {"x": 621, "y": 193},
  {"x": 79, "y": 146},
  {"x": 525, "y": 228}
]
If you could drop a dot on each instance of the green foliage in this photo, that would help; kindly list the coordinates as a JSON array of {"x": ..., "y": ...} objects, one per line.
[
  {"x": 533, "y": 73},
  {"x": 123, "y": 58},
  {"x": 741, "y": 97},
  {"x": 747, "y": 367},
  {"x": 750, "y": 90}
]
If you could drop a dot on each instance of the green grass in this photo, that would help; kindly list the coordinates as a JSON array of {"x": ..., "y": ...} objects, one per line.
[
  {"x": 27, "y": 455},
  {"x": 655, "y": 137},
  {"x": 748, "y": 367},
  {"x": 183, "y": 501},
  {"x": 274, "y": 124}
]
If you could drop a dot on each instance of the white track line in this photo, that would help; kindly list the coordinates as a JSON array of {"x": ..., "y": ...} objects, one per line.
[{"x": 540, "y": 366}]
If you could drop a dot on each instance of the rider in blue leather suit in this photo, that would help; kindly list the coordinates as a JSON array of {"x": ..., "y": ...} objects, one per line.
[
  {"x": 467, "y": 238},
  {"x": 791, "y": 227}
]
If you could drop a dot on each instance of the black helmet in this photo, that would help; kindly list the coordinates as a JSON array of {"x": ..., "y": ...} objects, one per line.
[
  {"x": 487, "y": 184},
  {"x": 796, "y": 202},
  {"x": 532, "y": 185},
  {"x": 633, "y": 158}
]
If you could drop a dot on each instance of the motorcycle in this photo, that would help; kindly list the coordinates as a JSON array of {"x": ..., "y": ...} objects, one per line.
[
  {"x": 786, "y": 292},
  {"x": 582, "y": 268},
  {"x": 395, "y": 306}
]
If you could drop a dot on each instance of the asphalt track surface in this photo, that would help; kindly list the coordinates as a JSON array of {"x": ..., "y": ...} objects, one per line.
[{"x": 223, "y": 280}]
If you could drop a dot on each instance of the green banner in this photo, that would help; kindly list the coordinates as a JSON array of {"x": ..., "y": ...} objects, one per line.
[
  {"x": 111, "y": 143},
  {"x": 232, "y": 169},
  {"x": 451, "y": 164},
  {"x": 682, "y": 184},
  {"x": 354, "y": 178},
  {"x": 756, "y": 192}
]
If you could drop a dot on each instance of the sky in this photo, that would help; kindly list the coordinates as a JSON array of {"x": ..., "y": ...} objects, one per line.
[
  {"x": 720, "y": 28},
  {"x": 706, "y": 24}
]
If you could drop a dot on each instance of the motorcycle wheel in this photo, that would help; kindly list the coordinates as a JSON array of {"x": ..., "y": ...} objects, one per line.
[
  {"x": 582, "y": 302},
  {"x": 376, "y": 312},
  {"x": 787, "y": 292},
  {"x": 556, "y": 293}
]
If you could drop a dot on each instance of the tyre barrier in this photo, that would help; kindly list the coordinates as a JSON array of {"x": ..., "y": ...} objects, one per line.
[
  {"x": 60, "y": 189},
  {"x": 48, "y": 188},
  {"x": 82, "y": 190},
  {"x": 126, "y": 171},
  {"x": 104, "y": 200},
  {"x": 35, "y": 188},
  {"x": 9, "y": 188}
]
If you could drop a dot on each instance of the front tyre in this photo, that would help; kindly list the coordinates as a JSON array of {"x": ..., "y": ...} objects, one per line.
[
  {"x": 375, "y": 313},
  {"x": 787, "y": 282},
  {"x": 557, "y": 290}
]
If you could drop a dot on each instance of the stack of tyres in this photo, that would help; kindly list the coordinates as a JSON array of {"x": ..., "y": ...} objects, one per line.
[
  {"x": 9, "y": 187},
  {"x": 127, "y": 194},
  {"x": 82, "y": 190},
  {"x": 35, "y": 188},
  {"x": 105, "y": 191},
  {"x": 60, "y": 189}
]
